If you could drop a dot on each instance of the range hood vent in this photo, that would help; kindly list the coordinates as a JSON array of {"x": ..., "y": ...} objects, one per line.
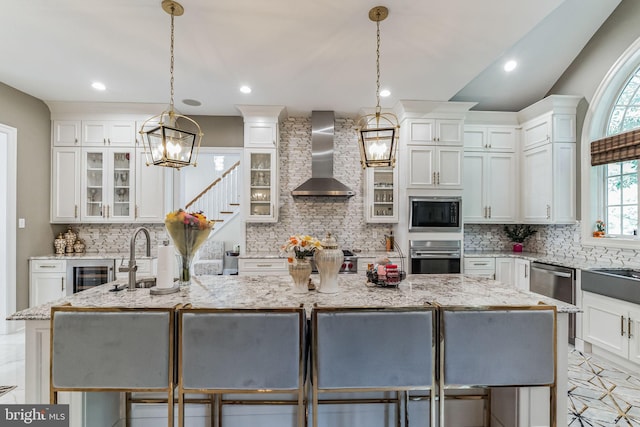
[{"x": 322, "y": 182}]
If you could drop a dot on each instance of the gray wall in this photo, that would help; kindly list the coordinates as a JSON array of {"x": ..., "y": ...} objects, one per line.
[
  {"x": 221, "y": 131},
  {"x": 32, "y": 119}
]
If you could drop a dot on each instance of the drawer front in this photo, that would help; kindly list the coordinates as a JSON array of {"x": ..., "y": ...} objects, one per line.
[
  {"x": 48, "y": 266},
  {"x": 479, "y": 264},
  {"x": 264, "y": 265}
]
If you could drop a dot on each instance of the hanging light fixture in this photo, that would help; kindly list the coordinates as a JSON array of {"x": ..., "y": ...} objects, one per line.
[
  {"x": 166, "y": 144},
  {"x": 378, "y": 133}
]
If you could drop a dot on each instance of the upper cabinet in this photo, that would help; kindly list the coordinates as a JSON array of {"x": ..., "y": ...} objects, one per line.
[
  {"x": 66, "y": 133},
  {"x": 435, "y": 132},
  {"x": 108, "y": 133},
  {"x": 435, "y": 167},
  {"x": 381, "y": 195},
  {"x": 153, "y": 190},
  {"x": 491, "y": 138},
  {"x": 65, "y": 184},
  {"x": 548, "y": 180},
  {"x": 261, "y": 180}
]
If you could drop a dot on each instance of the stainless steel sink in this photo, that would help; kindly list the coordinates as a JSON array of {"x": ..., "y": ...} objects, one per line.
[{"x": 619, "y": 283}]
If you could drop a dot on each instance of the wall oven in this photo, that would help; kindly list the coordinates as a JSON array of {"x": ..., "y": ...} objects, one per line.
[
  {"x": 435, "y": 214},
  {"x": 435, "y": 256},
  {"x": 83, "y": 274}
]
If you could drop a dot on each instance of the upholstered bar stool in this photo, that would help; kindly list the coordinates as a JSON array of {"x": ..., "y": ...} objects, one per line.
[
  {"x": 372, "y": 349},
  {"x": 113, "y": 349},
  {"x": 242, "y": 351},
  {"x": 484, "y": 347}
]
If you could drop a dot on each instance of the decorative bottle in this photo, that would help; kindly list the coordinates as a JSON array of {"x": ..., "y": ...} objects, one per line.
[{"x": 329, "y": 260}]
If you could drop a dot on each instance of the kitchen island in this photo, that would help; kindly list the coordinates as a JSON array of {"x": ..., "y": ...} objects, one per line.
[{"x": 275, "y": 291}]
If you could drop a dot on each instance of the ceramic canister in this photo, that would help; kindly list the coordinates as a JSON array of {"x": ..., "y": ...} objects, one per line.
[{"x": 329, "y": 260}]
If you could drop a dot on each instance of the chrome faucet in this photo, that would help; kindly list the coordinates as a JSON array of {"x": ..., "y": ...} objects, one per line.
[{"x": 132, "y": 268}]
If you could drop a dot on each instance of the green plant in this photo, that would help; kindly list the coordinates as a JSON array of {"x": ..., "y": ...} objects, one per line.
[{"x": 519, "y": 233}]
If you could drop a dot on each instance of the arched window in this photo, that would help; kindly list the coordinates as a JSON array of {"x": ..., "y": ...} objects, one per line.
[{"x": 621, "y": 179}]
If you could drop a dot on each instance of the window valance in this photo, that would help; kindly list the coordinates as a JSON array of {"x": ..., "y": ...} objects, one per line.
[{"x": 616, "y": 148}]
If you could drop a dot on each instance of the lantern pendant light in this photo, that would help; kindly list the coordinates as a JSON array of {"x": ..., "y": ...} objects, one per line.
[
  {"x": 165, "y": 143},
  {"x": 378, "y": 133}
]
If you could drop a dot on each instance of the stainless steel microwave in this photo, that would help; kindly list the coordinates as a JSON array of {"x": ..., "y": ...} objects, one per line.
[{"x": 435, "y": 214}]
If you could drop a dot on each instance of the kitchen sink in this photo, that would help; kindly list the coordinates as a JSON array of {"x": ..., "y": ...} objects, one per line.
[
  {"x": 619, "y": 283},
  {"x": 146, "y": 282}
]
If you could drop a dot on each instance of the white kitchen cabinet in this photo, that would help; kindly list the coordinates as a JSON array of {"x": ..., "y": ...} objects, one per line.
[
  {"x": 548, "y": 184},
  {"x": 108, "y": 133},
  {"x": 549, "y": 128},
  {"x": 435, "y": 131},
  {"x": 261, "y": 179},
  {"x": 505, "y": 272},
  {"x": 107, "y": 192},
  {"x": 612, "y": 325},
  {"x": 65, "y": 185},
  {"x": 153, "y": 189},
  {"x": 65, "y": 133},
  {"x": 261, "y": 135},
  {"x": 489, "y": 190},
  {"x": 521, "y": 274},
  {"x": 46, "y": 281},
  {"x": 490, "y": 138},
  {"x": 381, "y": 195},
  {"x": 480, "y": 267},
  {"x": 262, "y": 266},
  {"x": 435, "y": 167}
]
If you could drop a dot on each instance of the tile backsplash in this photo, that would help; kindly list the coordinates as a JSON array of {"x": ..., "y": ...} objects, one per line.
[
  {"x": 343, "y": 218},
  {"x": 116, "y": 238},
  {"x": 563, "y": 240}
]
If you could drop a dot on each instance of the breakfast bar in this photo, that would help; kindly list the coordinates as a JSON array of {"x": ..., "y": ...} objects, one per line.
[{"x": 275, "y": 292}]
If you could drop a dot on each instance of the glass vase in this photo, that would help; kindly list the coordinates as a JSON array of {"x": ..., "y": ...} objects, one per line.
[
  {"x": 300, "y": 271},
  {"x": 184, "y": 270}
]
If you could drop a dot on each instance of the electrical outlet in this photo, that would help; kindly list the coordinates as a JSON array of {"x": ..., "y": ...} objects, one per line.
[{"x": 375, "y": 234}]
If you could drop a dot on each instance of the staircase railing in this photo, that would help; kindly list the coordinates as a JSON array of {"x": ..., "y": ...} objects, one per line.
[{"x": 219, "y": 200}]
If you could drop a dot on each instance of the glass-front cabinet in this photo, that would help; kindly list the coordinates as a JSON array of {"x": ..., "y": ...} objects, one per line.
[
  {"x": 381, "y": 203},
  {"x": 107, "y": 193},
  {"x": 262, "y": 182}
]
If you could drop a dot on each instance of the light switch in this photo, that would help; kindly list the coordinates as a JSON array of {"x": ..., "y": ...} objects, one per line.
[{"x": 22, "y": 223}]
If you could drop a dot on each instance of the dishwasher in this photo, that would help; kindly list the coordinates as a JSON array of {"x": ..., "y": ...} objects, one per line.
[{"x": 558, "y": 283}]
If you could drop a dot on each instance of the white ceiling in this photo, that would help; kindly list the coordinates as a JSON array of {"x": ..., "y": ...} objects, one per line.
[{"x": 303, "y": 54}]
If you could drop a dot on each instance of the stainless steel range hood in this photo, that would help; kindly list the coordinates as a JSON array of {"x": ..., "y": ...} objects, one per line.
[{"x": 322, "y": 182}]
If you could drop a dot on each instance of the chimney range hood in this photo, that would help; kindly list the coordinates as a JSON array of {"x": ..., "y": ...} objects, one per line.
[{"x": 322, "y": 182}]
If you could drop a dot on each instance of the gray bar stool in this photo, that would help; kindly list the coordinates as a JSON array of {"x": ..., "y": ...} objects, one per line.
[
  {"x": 113, "y": 349},
  {"x": 241, "y": 351},
  {"x": 373, "y": 349},
  {"x": 484, "y": 347}
]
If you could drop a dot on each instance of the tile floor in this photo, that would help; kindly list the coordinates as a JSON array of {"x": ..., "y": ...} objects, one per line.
[{"x": 600, "y": 394}]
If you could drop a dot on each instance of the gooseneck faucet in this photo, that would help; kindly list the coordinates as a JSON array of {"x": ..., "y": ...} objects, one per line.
[{"x": 132, "y": 268}]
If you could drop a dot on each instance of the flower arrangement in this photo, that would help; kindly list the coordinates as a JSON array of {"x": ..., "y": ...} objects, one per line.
[
  {"x": 600, "y": 229},
  {"x": 188, "y": 230},
  {"x": 300, "y": 246},
  {"x": 519, "y": 233}
]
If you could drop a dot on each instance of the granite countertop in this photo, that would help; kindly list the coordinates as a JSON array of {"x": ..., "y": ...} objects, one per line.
[
  {"x": 275, "y": 291},
  {"x": 570, "y": 262},
  {"x": 272, "y": 255}
]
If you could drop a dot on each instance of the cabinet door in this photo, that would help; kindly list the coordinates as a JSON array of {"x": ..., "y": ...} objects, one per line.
[
  {"x": 94, "y": 189},
  {"x": 604, "y": 324},
  {"x": 474, "y": 208},
  {"x": 475, "y": 138},
  {"x": 633, "y": 333},
  {"x": 422, "y": 132},
  {"x": 564, "y": 128},
  {"x": 521, "y": 274},
  {"x": 152, "y": 190},
  {"x": 381, "y": 195},
  {"x": 537, "y": 179},
  {"x": 65, "y": 184},
  {"x": 449, "y": 167},
  {"x": 500, "y": 187},
  {"x": 502, "y": 139},
  {"x": 504, "y": 270},
  {"x": 564, "y": 183},
  {"x": 120, "y": 178},
  {"x": 421, "y": 161},
  {"x": 261, "y": 135},
  {"x": 449, "y": 132},
  {"x": 94, "y": 133},
  {"x": 262, "y": 181},
  {"x": 66, "y": 133},
  {"x": 536, "y": 132},
  {"x": 121, "y": 134},
  {"x": 46, "y": 287}
]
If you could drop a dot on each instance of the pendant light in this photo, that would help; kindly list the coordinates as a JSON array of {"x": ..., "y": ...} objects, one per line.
[
  {"x": 378, "y": 133},
  {"x": 165, "y": 143}
]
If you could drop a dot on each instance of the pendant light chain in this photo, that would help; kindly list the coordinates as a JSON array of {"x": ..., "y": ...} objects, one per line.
[
  {"x": 171, "y": 66},
  {"x": 378, "y": 64}
]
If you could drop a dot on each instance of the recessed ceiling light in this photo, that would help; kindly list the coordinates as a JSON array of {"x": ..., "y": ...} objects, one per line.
[
  {"x": 245, "y": 89},
  {"x": 510, "y": 65},
  {"x": 385, "y": 92},
  {"x": 192, "y": 102},
  {"x": 98, "y": 86}
]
